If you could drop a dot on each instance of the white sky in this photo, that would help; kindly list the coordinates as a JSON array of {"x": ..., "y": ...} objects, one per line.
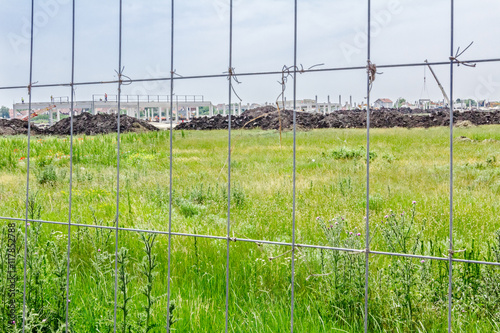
[{"x": 329, "y": 32}]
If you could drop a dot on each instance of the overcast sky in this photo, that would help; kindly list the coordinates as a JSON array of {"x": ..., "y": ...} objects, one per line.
[{"x": 329, "y": 32}]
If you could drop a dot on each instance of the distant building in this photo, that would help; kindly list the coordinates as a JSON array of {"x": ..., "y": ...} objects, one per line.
[
  {"x": 407, "y": 105},
  {"x": 383, "y": 103}
]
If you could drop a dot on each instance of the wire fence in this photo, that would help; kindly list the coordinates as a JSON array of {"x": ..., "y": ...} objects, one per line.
[{"x": 231, "y": 79}]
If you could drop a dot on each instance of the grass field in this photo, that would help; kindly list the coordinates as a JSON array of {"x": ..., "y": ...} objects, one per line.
[{"x": 406, "y": 166}]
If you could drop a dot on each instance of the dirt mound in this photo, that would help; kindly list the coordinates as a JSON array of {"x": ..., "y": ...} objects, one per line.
[
  {"x": 85, "y": 123},
  {"x": 464, "y": 124},
  {"x": 17, "y": 127},
  {"x": 89, "y": 124},
  {"x": 269, "y": 118}
]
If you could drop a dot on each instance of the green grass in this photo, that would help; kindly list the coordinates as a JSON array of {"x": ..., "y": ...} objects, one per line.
[{"x": 405, "y": 166}]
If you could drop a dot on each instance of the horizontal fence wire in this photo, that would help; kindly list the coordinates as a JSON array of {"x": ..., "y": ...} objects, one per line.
[
  {"x": 256, "y": 241},
  {"x": 367, "y": 252},
  {"x": 264, "y": 73}
]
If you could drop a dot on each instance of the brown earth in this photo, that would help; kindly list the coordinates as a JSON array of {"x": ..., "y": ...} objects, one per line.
[
  {"x": 17, "y": 127},
  {"x": 268, "y": 118},
  {"x": 85, "y": 123}
]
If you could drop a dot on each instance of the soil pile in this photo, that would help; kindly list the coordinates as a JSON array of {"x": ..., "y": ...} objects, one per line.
[
  {"x": 89, "y": 124},
  {"x": 85, "y": 123},
  {"x": 269, "y": 118},
  {"x": 17, "y": 127}
]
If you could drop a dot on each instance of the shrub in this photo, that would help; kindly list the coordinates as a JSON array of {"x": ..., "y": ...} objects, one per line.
[{"x": 47, "y": 175}]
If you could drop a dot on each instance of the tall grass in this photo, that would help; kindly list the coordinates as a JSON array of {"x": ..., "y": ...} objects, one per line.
[{"x": 405, "y": 294}]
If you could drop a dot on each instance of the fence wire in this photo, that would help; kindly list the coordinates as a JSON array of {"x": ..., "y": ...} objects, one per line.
[{"x": 230, "y": 75}]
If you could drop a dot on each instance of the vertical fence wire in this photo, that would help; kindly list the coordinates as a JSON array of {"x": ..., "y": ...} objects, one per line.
[
  {"x": 28, "y": 166},
  {"x": 450, "y": 254},
  {"x": 118, "y": 116},
  {"x": 171, "y": 160},
  {"x": 70, "y": 161},
  {"x": 230, "y": 88},
  {"x": 292, "y": 296},
  {"x": 367, "y": 219}
]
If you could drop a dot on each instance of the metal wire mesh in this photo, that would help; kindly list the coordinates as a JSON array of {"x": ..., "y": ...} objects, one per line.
[{"x": 230, "y": 74}]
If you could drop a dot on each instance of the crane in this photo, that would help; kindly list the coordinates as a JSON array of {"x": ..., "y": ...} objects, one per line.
[
  {"x": 439, "y": 83},
  {"x": 34, "y": 113}
]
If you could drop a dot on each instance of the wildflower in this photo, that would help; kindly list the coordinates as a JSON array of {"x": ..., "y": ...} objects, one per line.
[
  {"x": 358, "y": 234},
  {"x": 414, "y": 202},
  {"x": 387, "y": 216},
  {"x": 350, "y": 233},
  {"x": 314, "y": 160},
  {"x": 29, "y": 224},
  {"x": 98, "y": 250},
  {"x": 422, "y": 261},
  {"x": 22, "y": 158},
  {"x": 336, "y": 223},
  {"x": 317, "y": 218},
  {"x": 331, "y": 226},
  {"x": 69, "y": 300},
  {"x": 44, "y": 320},
  {"x": 342, "y": 218}
]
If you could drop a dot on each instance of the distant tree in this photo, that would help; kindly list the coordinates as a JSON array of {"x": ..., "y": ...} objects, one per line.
[
  {"x": 400, "y": 101},
  {"x": 4, "y": 112}
]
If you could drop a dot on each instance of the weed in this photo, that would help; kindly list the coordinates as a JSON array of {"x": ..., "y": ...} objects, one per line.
[
  {"x": 147, "y": 268},
  {"x": 490, "y": 160},
  {"x": 124, "y": 286},
  {"x": 46, "y": 175},
  {"x": 346, "y": 153},
  {"x": 346, "y": 270},
  {"x": 188, "y": 208},
  {"x": 401, "y": 236},
  {"x": 389, "y": 158},
  {"x": 238, "y": 196},
  {"x": 34, "y": 207}
]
